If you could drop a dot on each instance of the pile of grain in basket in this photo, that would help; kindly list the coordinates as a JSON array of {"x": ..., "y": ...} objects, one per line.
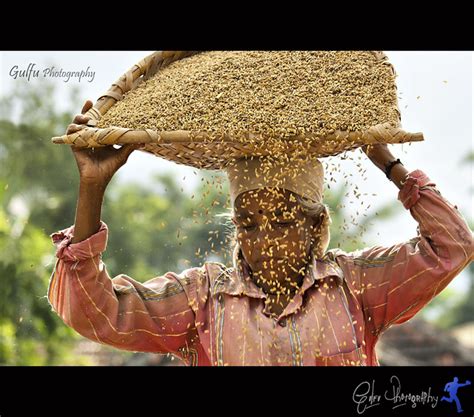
[{"x": 274, "y": 94}]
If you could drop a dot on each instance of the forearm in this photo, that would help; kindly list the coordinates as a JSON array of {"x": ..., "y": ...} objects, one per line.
[
  {"x": 398, "y": 175},
  {"x": 88, "y": 211},
  {"x": 121, "y": 312},
  {"x": 411, "y": 273},
  {"x": 381, "y": 157}
]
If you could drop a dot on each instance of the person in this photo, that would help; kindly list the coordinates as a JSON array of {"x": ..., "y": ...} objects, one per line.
[
  {"x": 452, "y": 389},
  {"x": 287, "y": 299}
]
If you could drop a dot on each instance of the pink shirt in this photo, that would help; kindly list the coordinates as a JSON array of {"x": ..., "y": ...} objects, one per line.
[{"x": 213, "y": 315}]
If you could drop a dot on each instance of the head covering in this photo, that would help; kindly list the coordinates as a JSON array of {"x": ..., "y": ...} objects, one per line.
[{"x": 301, "y": 176}]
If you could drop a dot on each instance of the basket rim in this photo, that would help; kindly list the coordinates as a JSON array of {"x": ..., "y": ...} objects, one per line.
[{"x": 92, "y": 136}]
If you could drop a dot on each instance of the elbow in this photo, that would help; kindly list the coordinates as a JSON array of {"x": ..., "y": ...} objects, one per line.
[
  {"x": 455, "y": 252},
  {"x": 460, "y": 257},
  {"x": 465, "y": 243},
  {"x": 470, "y": 248}
]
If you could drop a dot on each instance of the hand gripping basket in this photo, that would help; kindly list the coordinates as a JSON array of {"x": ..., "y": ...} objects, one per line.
[{"x": 205, "y": 148}]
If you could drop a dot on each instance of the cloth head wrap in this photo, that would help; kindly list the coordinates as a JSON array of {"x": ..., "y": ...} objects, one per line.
[{"x": 303, "y": 177}]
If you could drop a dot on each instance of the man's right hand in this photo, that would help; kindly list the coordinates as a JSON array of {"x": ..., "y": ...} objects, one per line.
[{"x": 97, "y": 165}]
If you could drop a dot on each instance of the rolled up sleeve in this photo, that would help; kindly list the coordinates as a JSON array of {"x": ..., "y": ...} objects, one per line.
[
  {"x": 151, "y": 317},
  {"x": 394, "y": 283}
]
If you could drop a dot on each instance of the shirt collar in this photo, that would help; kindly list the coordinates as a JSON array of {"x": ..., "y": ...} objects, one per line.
[{"x": 237, "y": 280}]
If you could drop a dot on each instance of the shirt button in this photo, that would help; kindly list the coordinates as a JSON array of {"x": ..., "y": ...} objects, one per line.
[{"x": 282, "y": 323}]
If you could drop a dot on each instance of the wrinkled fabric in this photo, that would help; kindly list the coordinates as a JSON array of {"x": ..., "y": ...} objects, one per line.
[
  {"x": 214, "y": 315},
  {"x": 301, "y": 176}
]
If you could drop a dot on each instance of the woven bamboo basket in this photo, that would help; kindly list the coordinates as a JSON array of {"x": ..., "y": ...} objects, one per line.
[{"x": 199, "y": 149}]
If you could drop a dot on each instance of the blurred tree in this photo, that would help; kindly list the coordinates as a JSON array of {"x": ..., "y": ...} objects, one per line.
[
  {"x": 33, "y": 181},
  {"x": 29, "y": 333},
  {"x": 464, "y": 311},
  {"x": 43, "y": 177},
  {"x": 152, "y": 233},
  {"x": 350, "y": 235}
]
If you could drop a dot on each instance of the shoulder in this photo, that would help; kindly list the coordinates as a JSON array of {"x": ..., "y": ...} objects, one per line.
[
  {"x": 332, "y": 254},
  {"x": 218, "y": 275},
  {"x": 345, "y": 260},
  {"x": 216, "y": 269},
  {"x": 206, "y": 276},
  {"x": 206, "y": 281},
  {"x": 337, "y": 256},
  {"x": 187, "y": 276}
]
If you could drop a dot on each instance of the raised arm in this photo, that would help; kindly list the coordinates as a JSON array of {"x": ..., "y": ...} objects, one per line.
[
  {"x": 96, "y": 168},
  {"x": 393, "y": 283},
  {"x": 122, "y": 312},
  {"x": 381, "y": 157}
]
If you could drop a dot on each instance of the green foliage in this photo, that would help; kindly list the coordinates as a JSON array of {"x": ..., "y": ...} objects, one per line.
[
  {"x": 29, "y": 333},
  {"x": 37, "y": 192},
  {"x": 154, "y": 233},
  {"x": 348, "y": 235},
  {"x": 468, "y": 159}
]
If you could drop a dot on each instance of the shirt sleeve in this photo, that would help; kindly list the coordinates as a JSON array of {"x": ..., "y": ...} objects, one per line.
[
  {"x": 394, "y": 283},
  {"x": 121, "y": 312}
]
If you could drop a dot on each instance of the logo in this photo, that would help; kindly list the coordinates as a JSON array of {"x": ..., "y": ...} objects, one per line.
[
  {"x": 365, "y": 396},
  {"x": 452, "y": 389},
  {"x": 368, "y": 396},
  {"x": 32, "y": 72}
]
